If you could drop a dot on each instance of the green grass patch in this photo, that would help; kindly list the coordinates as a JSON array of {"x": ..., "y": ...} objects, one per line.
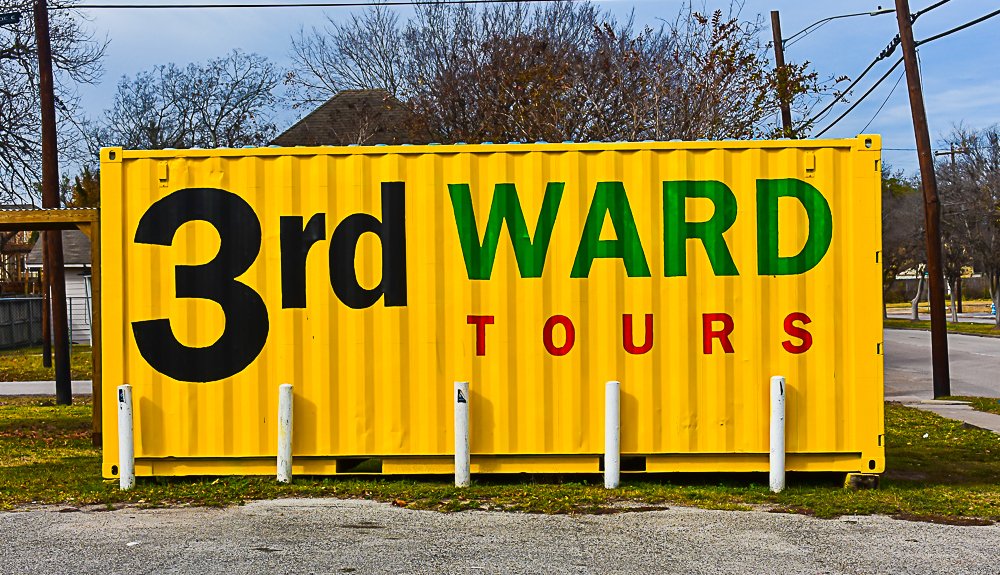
[
  {"x": 950, "y": 475},
  {"x": 985, "y": 329},
  {"x": 26, "y": 364},
  {"x": 968, "y": 306},
  {"x": 987, "y": 404}
]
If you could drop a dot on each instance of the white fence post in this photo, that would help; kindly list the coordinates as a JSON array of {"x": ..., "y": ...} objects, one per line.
[
  {"x": 612, "y": 435},
  {"x": 462, "y": 459},
  {"x": 285, "y": 433},
  {"x": 777, "y": 458},
  {"x": 126, "y": 439}
]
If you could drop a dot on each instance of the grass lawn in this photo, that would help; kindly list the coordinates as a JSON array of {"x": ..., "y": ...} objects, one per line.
[
  {"x": 962, "y": 327},
  {"x": 26, "y": 364},
  {"x": 987, "y": 404},
  {"x": 951, "y": 475},
  {"x": 968, "y": 306}
]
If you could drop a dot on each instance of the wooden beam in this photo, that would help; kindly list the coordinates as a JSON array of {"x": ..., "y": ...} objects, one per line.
[
  {"x": 86, "y": 230},
  {"x": 95, "y": 334},
  {"x": 87, "y": 220},
  {"x": 55, "y": 219}
]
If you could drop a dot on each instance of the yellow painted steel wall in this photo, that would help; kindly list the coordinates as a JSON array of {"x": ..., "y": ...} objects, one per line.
[{"x": 377, "y": 382}]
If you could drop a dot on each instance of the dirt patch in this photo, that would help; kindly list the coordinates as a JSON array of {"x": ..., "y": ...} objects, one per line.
[{"x": 905, "y": 475}]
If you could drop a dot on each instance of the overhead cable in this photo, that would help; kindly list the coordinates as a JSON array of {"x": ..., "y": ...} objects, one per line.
[
  {"x": 889, "y": 49},
  {"x": 884, "y": 102},
  {"x": 862, "y": 98},
  {"x": 347, "y": 4},
  {"x": 958, "y": 28}
]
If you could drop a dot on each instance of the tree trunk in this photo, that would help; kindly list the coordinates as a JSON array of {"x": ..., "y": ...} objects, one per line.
[
  {"x": 953, "y": 286},
  {"x": 959, "y": 295},
  {"x": 915, "y": 303}
]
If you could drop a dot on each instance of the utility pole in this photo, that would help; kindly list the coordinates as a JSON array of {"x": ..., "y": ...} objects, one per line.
[
  {"x": 779, "y": 63},
  {"x": 46, "y": 308},
  {"x": 50, "y": 199},
  {"x": 932, "y": 204},
  {"x": 951, "y": 152}
]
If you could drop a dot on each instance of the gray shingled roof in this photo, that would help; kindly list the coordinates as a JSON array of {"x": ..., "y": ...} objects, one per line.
[
  {"x": 76, "y": 250},
  {"x": 364, "y": 117}
]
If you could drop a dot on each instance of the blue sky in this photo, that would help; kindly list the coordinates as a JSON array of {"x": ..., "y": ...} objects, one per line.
[{"x": 961, "y": 84}]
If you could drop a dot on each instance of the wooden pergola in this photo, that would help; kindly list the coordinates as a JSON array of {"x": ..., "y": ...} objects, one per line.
[{"x": 87, "y": 220}]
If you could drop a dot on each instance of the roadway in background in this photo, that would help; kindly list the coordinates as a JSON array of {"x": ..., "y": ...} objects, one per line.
[{"x": 975, "y": 365}]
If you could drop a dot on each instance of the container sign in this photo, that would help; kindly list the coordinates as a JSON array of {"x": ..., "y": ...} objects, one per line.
[{"x": 373, "y": 278}]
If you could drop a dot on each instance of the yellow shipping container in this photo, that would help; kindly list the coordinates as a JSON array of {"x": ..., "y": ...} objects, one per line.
[{"x": 373, "y": 278}]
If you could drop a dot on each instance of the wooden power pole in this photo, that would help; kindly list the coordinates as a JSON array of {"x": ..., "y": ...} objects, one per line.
[
  {"x": 932, "y": 204},
  {"x": 46, "y": 309},
  {"x": 50, "y": 199},
  {"x": 779, "y": 64}
]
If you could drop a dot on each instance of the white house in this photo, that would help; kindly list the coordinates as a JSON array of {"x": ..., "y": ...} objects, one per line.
[{"x": 76, "y": 262}]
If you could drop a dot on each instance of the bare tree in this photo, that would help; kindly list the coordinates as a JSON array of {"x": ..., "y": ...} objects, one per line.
[
  {"x": 902, "y": 229},
  {"x": 225, "y": 102},
  {"x": 974, "y": 200},
  {"x": 954, "y": 238},
  {"x": 76, "y": 57},
  {"x": 559, "y": 71},
  {"x": 363, "y": 53}
]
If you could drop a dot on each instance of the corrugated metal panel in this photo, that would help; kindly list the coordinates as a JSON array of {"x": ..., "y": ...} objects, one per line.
[{"x": 377, "y": 381}]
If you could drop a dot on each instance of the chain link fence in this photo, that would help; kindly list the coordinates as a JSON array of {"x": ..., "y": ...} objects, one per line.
[{"x": 20, "y": 322}]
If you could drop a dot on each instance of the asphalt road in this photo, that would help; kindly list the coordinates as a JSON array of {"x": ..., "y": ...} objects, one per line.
[
  {"x": 334, "y": 536},
  {"x": 974, "y": 365}
]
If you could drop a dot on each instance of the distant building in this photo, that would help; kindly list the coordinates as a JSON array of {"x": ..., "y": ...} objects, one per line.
[
  {"x": 76, "y": 263},
  {"x": 363, "y": 117}
]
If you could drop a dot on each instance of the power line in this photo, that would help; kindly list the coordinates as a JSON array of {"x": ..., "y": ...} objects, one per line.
[
  {"x": 807, "y": 31},
  {"x": 348, "y": 4},
  {"x": 861, "y": 99},
  {"x": 888, "y": 51},
  {"x": 885, "y": 53},
  {"x": 918, "y": 13},
  {"x": 884, "y": 102},
  {"x": 958, "y": 28}
]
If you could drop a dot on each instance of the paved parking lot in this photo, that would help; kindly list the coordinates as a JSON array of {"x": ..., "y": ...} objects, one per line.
[{"x": 336, "y": 536}]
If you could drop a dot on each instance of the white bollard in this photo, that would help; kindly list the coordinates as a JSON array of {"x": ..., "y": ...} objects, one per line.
[
  {"x": 462, "y": 460},
  {"x": 126, "y": 439},
  {"x": 285, "y": 433},
  {"x": 777, "y": 458},
  {"x": 612, "y": 435}
]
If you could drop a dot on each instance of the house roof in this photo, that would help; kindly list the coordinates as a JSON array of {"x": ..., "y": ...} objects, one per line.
[
  {"x": 364, "y": 117},
  {"x": 76, "y": 250}
]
